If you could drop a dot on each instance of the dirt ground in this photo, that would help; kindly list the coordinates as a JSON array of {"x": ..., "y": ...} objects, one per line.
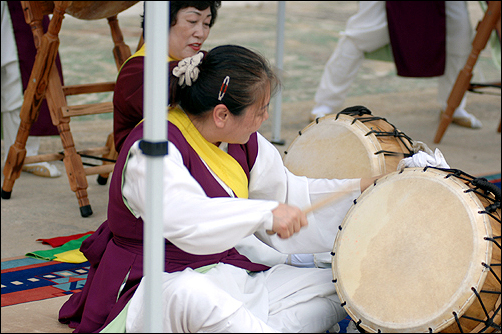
[
  {"x": 312, "y": 30},
  {"x": 44, "y": 208}
]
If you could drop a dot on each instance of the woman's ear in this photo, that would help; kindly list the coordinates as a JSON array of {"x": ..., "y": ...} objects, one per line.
[{"x": 221, "y": 114}]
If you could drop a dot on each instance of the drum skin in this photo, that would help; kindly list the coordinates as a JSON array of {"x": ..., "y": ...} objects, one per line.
[
  {"x": 411, "y": 250},
  {"x": 346, "y": 146}
]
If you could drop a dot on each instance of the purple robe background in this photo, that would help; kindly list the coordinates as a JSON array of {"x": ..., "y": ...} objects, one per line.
[
  {"x": 26, "y": 52},
  {"x": 417, "y": 31}
]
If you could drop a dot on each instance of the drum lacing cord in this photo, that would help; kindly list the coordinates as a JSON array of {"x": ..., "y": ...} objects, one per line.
[
  {"x": 359, "y": 328},
  {"x": 354, "y": 111},
  {"x": 394, "y": 133},
  {"x": 489, "y": 267},
  {"x": 478, "y": 183},
  {"x": 489, "y": 320},
  {"x": 494, "y": 241},
  {"x": 458, "y": 322},
  {"x": 361, "y": 111}
]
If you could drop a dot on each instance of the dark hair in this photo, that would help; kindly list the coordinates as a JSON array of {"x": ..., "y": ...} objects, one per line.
[
  {"x": 249, "y": 73},
  {"x": 175, "y": 6},
  {"x": 200, "y": 5}
]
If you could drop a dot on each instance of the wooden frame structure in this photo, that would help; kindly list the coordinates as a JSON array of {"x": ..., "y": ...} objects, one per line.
[
  {"x": 45, "y": 83},
  {"x": 490, "y": 21}
]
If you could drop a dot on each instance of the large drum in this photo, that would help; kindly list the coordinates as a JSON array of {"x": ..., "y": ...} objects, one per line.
[
  {"x": 350, "y": 144},
  {"x": 419, "y": 251},
  {"x": 89, "y": 10}
]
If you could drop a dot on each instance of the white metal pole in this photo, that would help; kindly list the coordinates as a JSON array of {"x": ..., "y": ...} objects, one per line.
[
  {"x": 279, "y": 55},
  {"x": 155, "y": 133}
]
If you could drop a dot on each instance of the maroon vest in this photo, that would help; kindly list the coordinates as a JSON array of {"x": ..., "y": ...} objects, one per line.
[
  {"x": 128, "y": 100},
  {"x": 116, "y": 248},
  {"x": 128, "y": 229}
]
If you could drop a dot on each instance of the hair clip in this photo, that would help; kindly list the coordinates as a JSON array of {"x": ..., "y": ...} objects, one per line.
[{"x": 223, "y": 88}]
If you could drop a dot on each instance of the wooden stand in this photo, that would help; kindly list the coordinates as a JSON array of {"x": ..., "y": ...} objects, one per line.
[
  {"x": 45, "y": 83},
  {"x": 490, "y": 21}
]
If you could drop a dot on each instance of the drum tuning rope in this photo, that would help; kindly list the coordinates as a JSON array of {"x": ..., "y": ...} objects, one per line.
[
  {"x": 479, "y": 183},
  {"x": 355, "y": 111},
  {"x": 491, "y": 270},
  {"x": 361, "y": 111},
  {"x": 487, "y": 188},
  {"x": 494, "y": 241},
  {"x": 489, "y": 319},
  {"x": 458, "y": 322}
]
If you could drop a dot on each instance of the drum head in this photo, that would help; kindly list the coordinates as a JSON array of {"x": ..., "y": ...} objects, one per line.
[
  {"x": 409, "y": 252},
  {"x": 335, "y": 148}
]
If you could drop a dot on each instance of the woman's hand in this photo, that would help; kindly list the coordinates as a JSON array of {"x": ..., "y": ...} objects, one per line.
[{"x": 288, "y": 220}]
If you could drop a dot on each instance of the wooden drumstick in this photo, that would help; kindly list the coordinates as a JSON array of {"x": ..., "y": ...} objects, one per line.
[{"x": 319, "y": 205}]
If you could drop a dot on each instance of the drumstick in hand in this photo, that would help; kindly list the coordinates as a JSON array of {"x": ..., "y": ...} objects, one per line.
[{"x": 319, "y": 204}]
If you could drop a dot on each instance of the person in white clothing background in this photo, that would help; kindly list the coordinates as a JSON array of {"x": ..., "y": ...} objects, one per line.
[
  {"x": 370, "y": 29},
  {"x": 18, "y": 56}
]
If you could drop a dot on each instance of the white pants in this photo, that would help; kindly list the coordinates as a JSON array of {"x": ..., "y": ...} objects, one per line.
[
  {"x": 367, "y": 31},
  {"x": 229, "y": 300},
  {"x": 10, "y": 125},
  {"x": 10, "y": 117}
]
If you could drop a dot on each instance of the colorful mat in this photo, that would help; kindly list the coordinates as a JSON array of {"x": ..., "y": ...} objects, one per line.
[
  {"x": 494, "y": 178},
  {"x": 28, "y": 279}
]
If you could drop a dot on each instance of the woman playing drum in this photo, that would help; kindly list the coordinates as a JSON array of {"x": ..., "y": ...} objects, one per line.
[{"x": 223, "y": 181}]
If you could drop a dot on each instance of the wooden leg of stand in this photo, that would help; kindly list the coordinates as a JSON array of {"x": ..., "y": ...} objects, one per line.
[
  {"x": 33, "y": 97},
  {"x": 485, "y": 27},
  {"x": 75, "y": 170},
  {"x": 456, "y": 95},
  {"x": 121, "y": 51},
  {"x": 15, "y": 159},
  {"x": 73, "y": 162}
]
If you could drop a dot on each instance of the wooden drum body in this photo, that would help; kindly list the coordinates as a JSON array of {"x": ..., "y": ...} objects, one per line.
[
  {"x": 351, "y": 144},
  {"x": 89, "y": 10},
  {"x": 419, "y": 251}
]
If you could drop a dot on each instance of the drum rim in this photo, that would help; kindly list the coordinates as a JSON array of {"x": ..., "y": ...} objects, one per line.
[{"x": 439, "y": 322}]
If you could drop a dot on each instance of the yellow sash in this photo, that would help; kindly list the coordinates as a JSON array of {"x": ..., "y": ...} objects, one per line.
[
  {"x": 220, "y": 162},
  {"x": 141, "y": 53}
]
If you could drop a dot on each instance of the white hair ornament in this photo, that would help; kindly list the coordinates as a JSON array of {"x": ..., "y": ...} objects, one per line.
[{"x": 187, "y": 70}]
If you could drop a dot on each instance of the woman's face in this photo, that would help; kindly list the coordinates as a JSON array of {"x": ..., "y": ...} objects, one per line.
[
  {"x": 189, "y": 33},
  {"x": 248, "y": 123}
]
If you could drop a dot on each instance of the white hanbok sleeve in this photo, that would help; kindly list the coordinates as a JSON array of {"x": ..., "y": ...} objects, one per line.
[
  {"x": 270, "y": 179},
  {"x": 192, "y": 221}
]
